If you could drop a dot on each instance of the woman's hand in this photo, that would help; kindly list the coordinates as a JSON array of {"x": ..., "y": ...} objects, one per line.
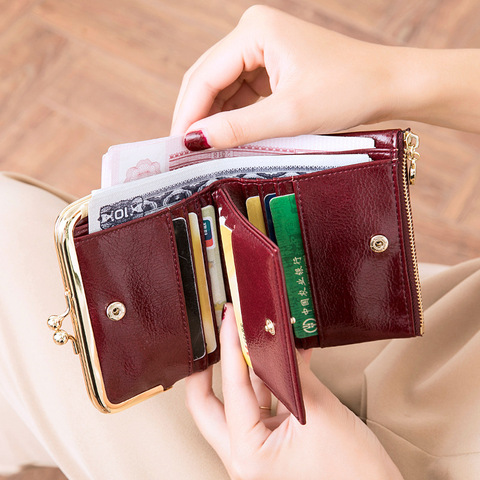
[
  {"x": 252, "y": 444},
  {"x": 312, "y": 80}
]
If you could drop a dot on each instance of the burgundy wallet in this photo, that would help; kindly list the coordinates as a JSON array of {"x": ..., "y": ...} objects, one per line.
[{"x": 125, "y": 295}]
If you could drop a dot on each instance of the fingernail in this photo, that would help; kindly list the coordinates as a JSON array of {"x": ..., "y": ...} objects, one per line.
[
  {"x": 224, "y": 311},
  {"x": 196, "y": 141}
]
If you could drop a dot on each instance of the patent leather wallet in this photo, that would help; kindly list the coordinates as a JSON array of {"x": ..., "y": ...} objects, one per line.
[{"x": 125, "y": 296}]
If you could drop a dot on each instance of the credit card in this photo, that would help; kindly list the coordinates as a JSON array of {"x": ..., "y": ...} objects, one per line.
[
  {"x": 202, "y": 285},
  {"x": 289, "y": 240},
  {"x": 189, "y": 287},
  {"x": 214, "y": 262},
  {"x": 270, "y": 229},
  {"x": 226, "y": 234},
  {"x": 255, "y": 213}
]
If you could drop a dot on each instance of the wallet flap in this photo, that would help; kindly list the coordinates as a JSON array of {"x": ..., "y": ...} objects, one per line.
[
  {"x": 135, "y": 266},
  {"x": 264, "y": 307},
  {"x": 361, "y": 292}
]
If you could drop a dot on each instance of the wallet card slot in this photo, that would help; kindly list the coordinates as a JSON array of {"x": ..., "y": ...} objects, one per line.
[
  {"x": 279, "y": 187},
  {"x": 191, "y": 212},
  {"x": 266, "y": 188},
  {"x": 250, "y": 189},
  {"x": 359, "y": 294},
  {"x": 218, "y": 286},
  {"x": 190, "y": 292},
  {"x": 136, "y": 265},
  {"x": 284, "y": 188},
  {"x": 195, "y": 216}
]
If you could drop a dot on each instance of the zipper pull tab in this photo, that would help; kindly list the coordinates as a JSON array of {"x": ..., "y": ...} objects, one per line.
[
  {"x": 411, "y": 144},
  {"x": 412, "y": 171}
]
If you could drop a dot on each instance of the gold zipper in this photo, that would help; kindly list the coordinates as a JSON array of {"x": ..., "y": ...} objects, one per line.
[{"x": 410, "y": 158}]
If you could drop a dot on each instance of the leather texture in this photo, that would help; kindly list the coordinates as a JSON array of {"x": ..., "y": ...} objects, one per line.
[
  {"x": 359, "y": 295},
  {"x": 135, "y": 264},
  {"x": 263, "y": 297}
]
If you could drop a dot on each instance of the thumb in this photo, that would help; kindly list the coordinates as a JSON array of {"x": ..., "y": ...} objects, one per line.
[{"x": 268, "y": 118}]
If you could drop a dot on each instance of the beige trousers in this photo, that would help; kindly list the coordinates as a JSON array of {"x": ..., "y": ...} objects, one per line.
[{"x": 421, "y": 396}]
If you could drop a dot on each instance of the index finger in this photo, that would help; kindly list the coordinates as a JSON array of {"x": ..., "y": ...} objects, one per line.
[
  {"x": 183, "y": 87},
  {"x": 207, "y": 411}
]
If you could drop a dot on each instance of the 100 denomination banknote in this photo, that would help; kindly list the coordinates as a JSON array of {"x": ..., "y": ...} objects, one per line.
[
  {"x": 132, "y": 161},
  {"x": 115, "y": 205}
]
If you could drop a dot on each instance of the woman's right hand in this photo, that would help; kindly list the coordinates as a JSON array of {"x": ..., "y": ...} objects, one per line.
[{"x": 312, "y": 80}]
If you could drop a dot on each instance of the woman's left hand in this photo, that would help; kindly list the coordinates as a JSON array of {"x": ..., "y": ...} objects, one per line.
[{"x": 252, "y": 444}]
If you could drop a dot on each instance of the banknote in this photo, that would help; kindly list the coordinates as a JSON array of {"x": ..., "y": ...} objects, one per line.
[
  {"x": 132, "y": 161},
  {"x": 121, "y": 203}
]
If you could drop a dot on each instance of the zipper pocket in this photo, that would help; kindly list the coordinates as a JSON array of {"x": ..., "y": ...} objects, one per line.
[{"x": 409, "y": 173}]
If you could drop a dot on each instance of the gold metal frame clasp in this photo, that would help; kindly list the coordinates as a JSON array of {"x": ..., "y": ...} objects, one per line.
[
  {"x": 54, "y": 322},
  {"x": 77, "y": 308}
]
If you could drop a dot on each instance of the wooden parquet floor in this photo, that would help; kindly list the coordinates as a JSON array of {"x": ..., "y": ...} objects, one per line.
[{"x": 80, "y": 75}]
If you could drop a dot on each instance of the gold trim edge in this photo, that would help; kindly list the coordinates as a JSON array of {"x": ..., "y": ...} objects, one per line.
[{"x": 84, "y": 338}]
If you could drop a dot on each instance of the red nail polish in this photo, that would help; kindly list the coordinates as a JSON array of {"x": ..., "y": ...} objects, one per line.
[
  {"x": 196, "y": 141},
  {"x": 224, "y": 311}
]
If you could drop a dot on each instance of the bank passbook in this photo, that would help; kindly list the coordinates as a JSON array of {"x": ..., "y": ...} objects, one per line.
[{"x": 313, "y": 246}]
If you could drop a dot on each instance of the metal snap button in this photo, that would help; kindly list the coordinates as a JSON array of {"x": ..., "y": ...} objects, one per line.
[
  {"x": 116, "y": 311},
  {"x": 379, "y": 243}
]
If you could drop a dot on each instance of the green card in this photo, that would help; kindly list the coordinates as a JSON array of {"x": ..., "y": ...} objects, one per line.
[{"x": 290, "y": 242}]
